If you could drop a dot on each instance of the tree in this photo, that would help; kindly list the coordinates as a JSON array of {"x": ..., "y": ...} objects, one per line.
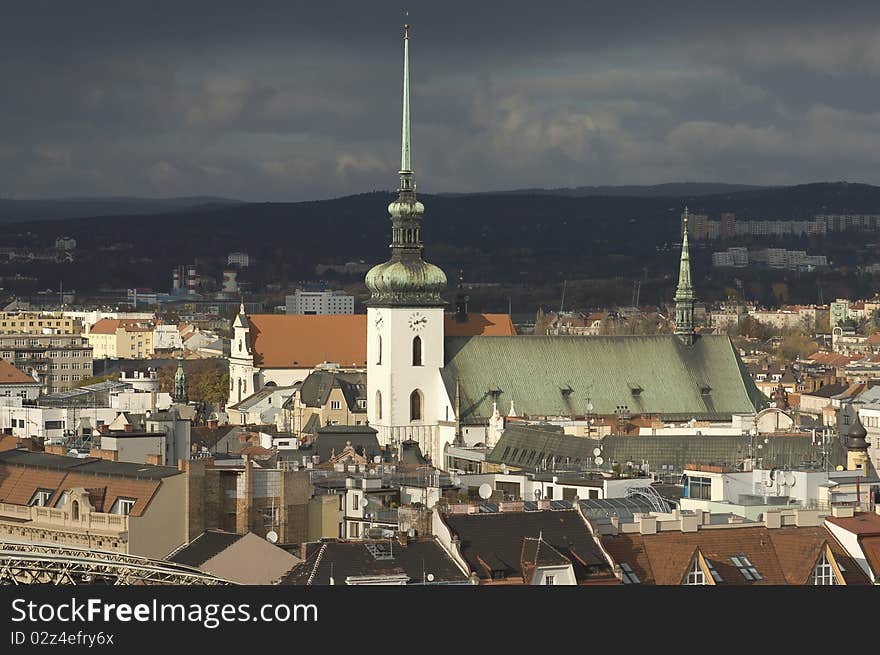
[{"x": 794, "y": 345}]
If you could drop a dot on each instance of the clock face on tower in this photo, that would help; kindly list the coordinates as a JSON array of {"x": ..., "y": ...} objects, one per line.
[{"x": 417, "y": 321}]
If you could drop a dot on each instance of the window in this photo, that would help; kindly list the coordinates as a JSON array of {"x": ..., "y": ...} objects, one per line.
[
  {"x": 362, "y": 403},
  {"x": 699, "y": 488},
  {"x": 54, "y": 425},
  {"x": 355, "y": 501},
  {"x": 696, "y": 576},
  {"x": 823, "y": 574},
  {"x": 745, "y": 567},
  {"x": 378, "y": 404},
  {"x": 715, "y": 576},
  {"x": 549, "y": 579},
  {"x": 379, "y": 360},
  {"x": 417, "y": 351},
  {"x": 270, "y": 517},
  {"x": 74, "y": 510},
  {"x": 123, "y": 506},
  {"x": 335, "y": 404},
  {"x": 627, "y": 574},
  {"x": 40, "y": 498},
  {"x": 415, "y": 405}
]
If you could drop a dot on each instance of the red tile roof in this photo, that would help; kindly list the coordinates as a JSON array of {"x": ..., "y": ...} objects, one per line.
[
  {"x": 111, "y": 325},
  {"x": 304, "y": 341},
  {"x": 862, "y": 523},
  {"x": 11, "y": 375},
  {"x": 783, "y": 556},
  {"x": 485, "y": 325}
]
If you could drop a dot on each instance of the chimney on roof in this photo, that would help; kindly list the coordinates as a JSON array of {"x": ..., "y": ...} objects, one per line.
[{"x": 128, "y": 427}]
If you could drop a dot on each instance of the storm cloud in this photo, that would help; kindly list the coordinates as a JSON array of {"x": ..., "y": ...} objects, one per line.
[{"x": 295, "y": 100}]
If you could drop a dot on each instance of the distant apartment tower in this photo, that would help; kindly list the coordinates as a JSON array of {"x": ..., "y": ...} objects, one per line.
[
  {"x": 728, "y": 225},
  {"x": 241, "y": 259},
  {"x": 319, "y": 302},
  {"x": 57, "y": 361},
  {"x": 65, "y": 243}
]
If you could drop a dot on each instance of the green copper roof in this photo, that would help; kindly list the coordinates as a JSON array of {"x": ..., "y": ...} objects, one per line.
[
  {"x": 406, "y": 280},
  {"x": 555, "y": 376},
  {"x": 527, "y": 446}
]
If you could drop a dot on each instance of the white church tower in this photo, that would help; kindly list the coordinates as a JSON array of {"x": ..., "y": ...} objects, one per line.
[{"x": 405, "y": 319}]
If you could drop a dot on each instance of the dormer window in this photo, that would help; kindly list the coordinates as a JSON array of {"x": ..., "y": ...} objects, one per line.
[
  {"x": 41, "y": 498},
  {"x": 705, "y": 389},
  {"x": 635, "y": 389},
  {"x": 123, "y": 506}
]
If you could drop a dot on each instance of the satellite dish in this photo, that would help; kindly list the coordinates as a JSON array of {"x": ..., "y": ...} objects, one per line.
[
  {"x": 430, "y": 577},
  {"x": 485, "y": 491},
  {"x": 537, "y": 494},
  {"x": 377, "y": 459},
  {"x": 272, "y": 537},
  {"x": 600, "y": 461},
  {"x": 364, "y": 502},
  {"x": 504, "y": 468},
  {"x": 597, "y": 452}
]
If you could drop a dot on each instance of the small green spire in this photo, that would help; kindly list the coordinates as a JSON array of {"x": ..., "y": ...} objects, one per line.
[
  {"x": 684, "y": 294},
  {"x": 180, "y": 391}
]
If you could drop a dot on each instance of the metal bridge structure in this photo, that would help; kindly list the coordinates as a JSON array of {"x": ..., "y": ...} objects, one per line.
[{"x": 27, "y": 563}]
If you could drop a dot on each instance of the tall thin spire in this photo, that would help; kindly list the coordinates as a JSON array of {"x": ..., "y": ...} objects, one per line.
[
  {"x": 684, "y": 294},
  {"x": 405, "y": 159},
  {"x": 406, "y": 280}
]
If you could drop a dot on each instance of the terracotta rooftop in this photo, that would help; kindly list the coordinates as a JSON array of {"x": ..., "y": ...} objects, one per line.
[
  {"x": 863, "y": 523},
  {"x": 304, "y": 341},
  {"x": 782, "y": 556},
  {"x": 485, "y": 325},
  {"x": 111, "y": 325},
  {"x": 11, "y": 375}
]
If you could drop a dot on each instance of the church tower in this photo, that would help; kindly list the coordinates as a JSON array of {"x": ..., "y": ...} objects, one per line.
[
  {"x": 405, "y": 317},
  {"x": 684, "y": 294}
]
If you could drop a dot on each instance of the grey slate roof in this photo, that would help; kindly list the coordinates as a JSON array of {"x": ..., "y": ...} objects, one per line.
[
  {"x": 554, "y": 376},
  {"x": 527, "y": 446},
  {"x": 316, "y": 388},
  {"x": 492, "y": 543},
  {"x": 204, "y": 547},
  {"x": 332, "y": 439},
  {"x": 416, "y": 559}
]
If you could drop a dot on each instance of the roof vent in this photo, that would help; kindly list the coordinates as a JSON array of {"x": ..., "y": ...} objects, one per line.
[{"x": 705, "y": 389}]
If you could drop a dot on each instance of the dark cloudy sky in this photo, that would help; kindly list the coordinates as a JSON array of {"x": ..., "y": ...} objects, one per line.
[{"x": 296, "y": 100}]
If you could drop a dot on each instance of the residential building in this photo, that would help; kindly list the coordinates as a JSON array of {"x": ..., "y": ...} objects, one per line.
[
  {"x": 122, "y": 339},
  {"x": 38, "y": 323},
  {"x": 92, "y": 503},
  {"x": 240, "y": 558},
  {"x": 15, "y": 384},
  {"x": 787, "y": 547},
  {"x": 306, "y": 301},
  {"x": 544, "y": 546},
  {"x": 240, "y": 259},
  {"x": 59, "y": 362},
  {"x": 261, "y": 408},
  {"x": 327, "y": 397},
  {"x": 859, "y": 534},
  {"x": 397, "y": 560}
]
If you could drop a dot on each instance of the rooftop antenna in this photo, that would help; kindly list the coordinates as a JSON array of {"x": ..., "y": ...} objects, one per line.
[{"x": 562, "y": 302}]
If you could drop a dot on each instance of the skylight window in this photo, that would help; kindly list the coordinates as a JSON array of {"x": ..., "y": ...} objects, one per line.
[
  {"x": 628, "y": 576},
  {"x": 749, "y": 572},
  {"x": 715, "y": 575}
]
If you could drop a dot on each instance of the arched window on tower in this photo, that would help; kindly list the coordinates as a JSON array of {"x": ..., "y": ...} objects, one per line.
[
  {"x": 379, "y": 357},
  {"x": 378, "y": 404},
  {"x": 417, "y": 351},
  {"x": 74, "y": 510},
  {"x": 415, "y": 406}
]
